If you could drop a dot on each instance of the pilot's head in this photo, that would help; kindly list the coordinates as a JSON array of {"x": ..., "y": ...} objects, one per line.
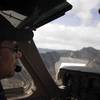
[{"x": 9, "y": 52}]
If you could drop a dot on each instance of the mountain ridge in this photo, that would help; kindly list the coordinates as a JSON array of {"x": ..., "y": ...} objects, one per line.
[{"x": 50, "y": 57}]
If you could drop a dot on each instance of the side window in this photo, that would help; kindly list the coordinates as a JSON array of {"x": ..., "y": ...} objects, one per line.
[{"x": 20, "y": 86}]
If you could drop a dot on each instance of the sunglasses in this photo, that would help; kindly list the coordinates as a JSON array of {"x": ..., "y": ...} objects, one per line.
[{"x": 14, "y": 49}]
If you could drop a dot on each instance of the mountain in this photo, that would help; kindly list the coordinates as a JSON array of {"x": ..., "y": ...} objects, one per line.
[
  {"x": 87, "y": 53},
  {"x": 50, "y": 57}
]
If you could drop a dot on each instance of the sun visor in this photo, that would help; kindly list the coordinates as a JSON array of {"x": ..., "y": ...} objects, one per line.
[{"x": 36, "y": 12}]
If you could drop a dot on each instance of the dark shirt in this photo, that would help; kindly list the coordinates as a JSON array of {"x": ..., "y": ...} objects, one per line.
[{"x": 2, "y": 94}]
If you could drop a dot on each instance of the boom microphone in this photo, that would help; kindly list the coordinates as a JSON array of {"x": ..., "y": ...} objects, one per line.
[{"x": 18, "y": 66}]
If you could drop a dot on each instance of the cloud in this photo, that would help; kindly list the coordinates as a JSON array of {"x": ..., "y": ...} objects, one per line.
[
  {"x": 63, "y": 34},
  {"x": 82, "y": 8},
  {"x": 98, "y": 25},
  {"x": 58, "y": 36}
]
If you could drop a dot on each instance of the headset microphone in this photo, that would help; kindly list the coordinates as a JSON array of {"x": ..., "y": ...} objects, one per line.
[{"x": 18, "y": 66}]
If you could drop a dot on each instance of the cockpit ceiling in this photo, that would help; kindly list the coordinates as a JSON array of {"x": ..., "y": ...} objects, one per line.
[
  {"x": 14, "y": 17},
  {"x": 33, "y": 13}
]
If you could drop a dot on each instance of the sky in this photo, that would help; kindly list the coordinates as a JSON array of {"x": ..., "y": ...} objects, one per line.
[{"x": 78, "y": 28}]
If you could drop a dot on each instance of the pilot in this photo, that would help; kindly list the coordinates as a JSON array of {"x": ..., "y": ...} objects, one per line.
[{"x": 9, "y": 51}]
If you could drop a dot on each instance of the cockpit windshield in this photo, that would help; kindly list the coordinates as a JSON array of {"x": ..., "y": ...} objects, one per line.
[{"x": 74, "y": 35}]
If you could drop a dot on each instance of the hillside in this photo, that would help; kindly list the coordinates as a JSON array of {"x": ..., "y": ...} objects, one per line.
[{"x": 50, "y": 57}]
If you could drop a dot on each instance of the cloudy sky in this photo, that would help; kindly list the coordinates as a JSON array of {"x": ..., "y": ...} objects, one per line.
[{"x": 79, "y": 27}]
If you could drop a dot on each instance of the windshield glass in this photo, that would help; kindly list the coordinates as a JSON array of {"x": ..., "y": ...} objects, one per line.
[{"x": 74, "y": 35}]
